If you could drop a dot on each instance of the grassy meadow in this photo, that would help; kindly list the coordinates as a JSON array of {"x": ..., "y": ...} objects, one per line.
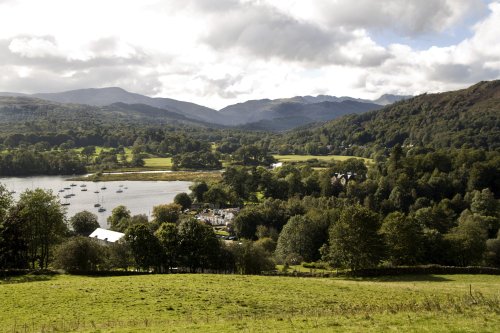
[
  {"x": 158, "y": 163},
  {"x": 229, "y": 303},
  {"x": 328, "y": 158},
  {"x": 162, "y": 176}
]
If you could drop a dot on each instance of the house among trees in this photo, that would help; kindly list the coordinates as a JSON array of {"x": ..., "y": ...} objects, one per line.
[
  {"x": 342, "y": 178},
  {"x": 106, "y": 236},
  {"x": 276, "y": 165},
  {"x": 218, "y": 217}
]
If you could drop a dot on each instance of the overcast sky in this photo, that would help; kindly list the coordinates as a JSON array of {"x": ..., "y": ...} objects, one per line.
[{"x": 219, "y": 52}]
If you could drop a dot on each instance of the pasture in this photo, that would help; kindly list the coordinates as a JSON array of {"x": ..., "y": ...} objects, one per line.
[
  {"x": 158, "y": 163},
  {"x": 327, "y": 158},
  {"x": 228, "y": 303}
]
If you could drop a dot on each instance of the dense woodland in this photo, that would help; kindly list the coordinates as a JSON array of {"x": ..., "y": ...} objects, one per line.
[
  {"x": 465, "y": 118},
  {"x": 430, "y": 196}
]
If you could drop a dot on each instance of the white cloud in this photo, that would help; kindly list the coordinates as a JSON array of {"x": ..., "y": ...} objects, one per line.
[
  {"x": 409, "y": 17},
  {"x": 33, "y": 47},
  {"x": 224, "y": 51}
]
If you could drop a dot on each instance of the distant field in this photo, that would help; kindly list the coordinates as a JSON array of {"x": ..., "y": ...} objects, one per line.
[
  {"x": 98, "y": 149},
  {"x": 151, "y": 163},
  {"x": 229, "y": 303},
  {"x": 303, "y": 158},
  {"x": 158, "y": 162},
  {"x": 163, "y": 176}
]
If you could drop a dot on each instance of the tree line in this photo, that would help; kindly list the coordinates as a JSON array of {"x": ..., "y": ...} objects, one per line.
[
  {"x": 34, "y": 234},
  {"x": 411, "y": 207}
]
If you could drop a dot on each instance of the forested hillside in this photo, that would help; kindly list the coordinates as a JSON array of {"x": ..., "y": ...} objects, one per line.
[{"x": 466, "y": 118}]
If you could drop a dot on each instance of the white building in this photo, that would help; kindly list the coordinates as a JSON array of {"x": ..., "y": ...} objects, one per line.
[
  {"x": 276, "y": 165},
  {"x": 106, "y": 236}
]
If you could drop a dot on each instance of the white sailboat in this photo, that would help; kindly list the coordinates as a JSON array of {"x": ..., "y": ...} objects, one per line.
[{"x": 101, "y": 208}]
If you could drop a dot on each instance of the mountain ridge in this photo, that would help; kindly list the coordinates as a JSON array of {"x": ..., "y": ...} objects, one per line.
[
  {"x": 308, "y": 108},
  {"x": 461, "y": 118}
]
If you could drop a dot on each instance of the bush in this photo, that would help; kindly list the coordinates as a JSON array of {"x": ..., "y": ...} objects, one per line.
[
  {"x": 84, "y": 223},
  {"x": 315, "y": 265},
  {"x": 80, "y": 254}
]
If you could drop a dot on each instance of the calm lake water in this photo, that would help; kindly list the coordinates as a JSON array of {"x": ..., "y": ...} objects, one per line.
[{"x": 138, "y": 196}]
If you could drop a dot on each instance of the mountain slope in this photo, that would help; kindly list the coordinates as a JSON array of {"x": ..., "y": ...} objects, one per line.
[
  {"x": 387, "y": 99},
  {"x": 463, "y": 118},
  {"x": 108, "y": 96},
  {"x": 18, "y": 111},
  {"x": 298, "y": 107}
]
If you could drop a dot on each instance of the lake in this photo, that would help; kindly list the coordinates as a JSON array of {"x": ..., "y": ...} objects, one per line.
[{"x": 138, "y": 196}]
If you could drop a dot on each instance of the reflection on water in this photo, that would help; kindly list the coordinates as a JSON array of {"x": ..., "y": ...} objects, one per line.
[{"x": 138, "y": 196}]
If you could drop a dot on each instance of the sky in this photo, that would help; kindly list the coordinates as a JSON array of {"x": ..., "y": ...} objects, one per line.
[{"x": 220, "y": 52}]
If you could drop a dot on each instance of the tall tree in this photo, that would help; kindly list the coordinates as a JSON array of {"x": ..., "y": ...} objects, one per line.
[
  {"x": 44, "y": 218},
  {"x": 146, "y": 249},
  {"x": 467, "y": 241},
  {"x": 13, "y": 241},
  {"x": 166, "y": 213},
  {"x": 403, "y": 238},
  {"x": 354, "y": 239},
  {"x": 168, "y": 237},
  {"x": 198, "y": 245},
  {"x": 183, "y": 199},
  {"x": 299, "y": 238},
  {"x": 119, "y": 219},
  {"x": 84, "y": 223}
]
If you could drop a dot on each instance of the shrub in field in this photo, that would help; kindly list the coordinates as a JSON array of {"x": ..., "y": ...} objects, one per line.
[
  {"x": 80, "y": 254},
  {"x": 250, "y": 258}
]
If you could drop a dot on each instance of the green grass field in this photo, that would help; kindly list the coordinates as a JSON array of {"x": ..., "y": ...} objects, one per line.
[
  {"x": 230, "y": 303},
  {"x": 303, "y": 158},
  {"x": 158, "y": 162},
  {"x": 163, "y": 176}
]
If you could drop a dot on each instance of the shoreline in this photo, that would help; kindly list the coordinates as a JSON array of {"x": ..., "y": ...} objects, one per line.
[{"x": 152, "y": 176}]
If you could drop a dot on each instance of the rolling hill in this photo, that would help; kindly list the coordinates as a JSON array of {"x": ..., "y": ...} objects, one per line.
[
  {"x": 269, "y": 114},
  {"x": 463, "y": 118},
  {"x": 112, "y": 95},
  {"x": 266, "y": 114},
  {"x": 22, "y": 111}
]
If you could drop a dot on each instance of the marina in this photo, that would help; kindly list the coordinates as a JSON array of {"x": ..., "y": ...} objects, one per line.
[{"x": 100, "y": 198}]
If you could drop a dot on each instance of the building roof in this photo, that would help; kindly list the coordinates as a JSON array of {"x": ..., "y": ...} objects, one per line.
[{"x": 106, "y": 235}]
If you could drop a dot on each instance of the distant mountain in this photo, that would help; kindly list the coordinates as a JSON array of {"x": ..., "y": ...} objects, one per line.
[
  {"x": 108, "y": 96},
  {"x": 150, "y": 113},
  {"x": 298, "y": 110},
  {"x": 11, "y": 94},
  {"x": 463, "y": 118},
  {"x": 389, "y": 99},
  {"x": 15, "y": 110}
]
